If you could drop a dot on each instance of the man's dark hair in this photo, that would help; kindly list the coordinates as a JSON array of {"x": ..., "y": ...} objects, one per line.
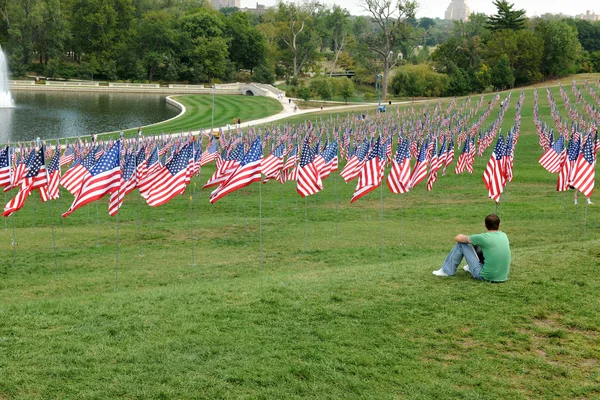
[{"x": 492, "y": 222}]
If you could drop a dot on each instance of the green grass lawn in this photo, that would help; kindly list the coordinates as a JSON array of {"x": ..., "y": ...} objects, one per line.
[
  {"x": 227, "y": 107},
  {"x": 340, "y": 303}
]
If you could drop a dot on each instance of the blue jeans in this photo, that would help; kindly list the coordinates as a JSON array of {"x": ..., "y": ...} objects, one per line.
[{"x": 456, "y": 255}]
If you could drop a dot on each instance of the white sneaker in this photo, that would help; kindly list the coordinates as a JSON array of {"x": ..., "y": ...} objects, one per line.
[
  {"x": 466, "y": 268},
  {"x": 589, "y": 201},
  {"x": 439, "y": 272}
]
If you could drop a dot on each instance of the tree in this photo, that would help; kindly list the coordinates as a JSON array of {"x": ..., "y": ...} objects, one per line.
[
  {"x": 419, "y": 81},
  {"x": 588, "y": 34},
  {"x": 296, "y": 23},
  {"x": 502, "y": 74},
  {"x": 507, "y": 17},
  {"x": 524, "y": 50},
  {"x": 561, "y": 48},
  {"x": 392, "y": 27},
  {"x": 263, "y": 74},
  {"x": 338, "y": 22},
  {"x": 345, "y": 89},
  {"x": 247, "y": 45},
  {"x": 322, "y": 87},
  {"x": 155, "y": 41}
]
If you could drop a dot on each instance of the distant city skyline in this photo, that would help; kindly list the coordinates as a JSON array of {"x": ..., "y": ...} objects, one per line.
[{"x": 436, "y": 8}]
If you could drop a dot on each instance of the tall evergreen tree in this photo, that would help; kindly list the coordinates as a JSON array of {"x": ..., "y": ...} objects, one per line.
[{"x": 507, "y": 17}]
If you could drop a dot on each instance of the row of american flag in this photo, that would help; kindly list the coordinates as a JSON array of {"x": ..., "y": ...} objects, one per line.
[
  {"x": 162, "y": 167},
  {"x": 572, "y": 155}
]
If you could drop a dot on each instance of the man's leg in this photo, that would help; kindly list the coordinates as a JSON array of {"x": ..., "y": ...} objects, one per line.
[
  {"x": 456, "y": 255},
  {"x": 473, "y": 260}
]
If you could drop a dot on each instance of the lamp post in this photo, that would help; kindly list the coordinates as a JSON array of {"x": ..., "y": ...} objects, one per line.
[
  {"x": 212, "y": 125},
  {"x": 379, "y": 90}
]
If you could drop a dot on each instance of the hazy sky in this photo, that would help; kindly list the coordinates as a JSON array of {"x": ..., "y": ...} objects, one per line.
[{"x": 436, "y": 8}]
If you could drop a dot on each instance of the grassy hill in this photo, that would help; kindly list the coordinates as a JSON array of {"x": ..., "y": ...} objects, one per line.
[{"x": 340, "y": 302}]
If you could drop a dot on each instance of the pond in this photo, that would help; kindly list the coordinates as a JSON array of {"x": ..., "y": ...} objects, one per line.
[{"x": 51, "y": 115}]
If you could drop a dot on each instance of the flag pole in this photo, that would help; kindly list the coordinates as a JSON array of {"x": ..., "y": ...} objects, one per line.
[
  {"x": 117, "y": 246},
  {"x": 53, "y": 239},
  {"x": 14, "y": 241},
  {"x": 245, "y": 216},
  {"x": 62, "y": 224},
  {"x": 33, "y": 217},
  {"x": 260, "y": 224},
  {"x": 381, "y": 219},
  {"x": 335, "y": 181},
  {"x": 138, "y": 224},
  {"x": 305, "y": 223},
  {"x": 5, "y": 221},
  {"x": 585, "y": 220},
  {"x": 98, "y": 225},
  {"x": 237, "y": 207},
  {"x": 192, "y": 228},
  {"x": 401, "y": 216}
]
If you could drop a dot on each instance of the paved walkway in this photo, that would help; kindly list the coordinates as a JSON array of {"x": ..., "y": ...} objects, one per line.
[{"x": 288, "y": 111}]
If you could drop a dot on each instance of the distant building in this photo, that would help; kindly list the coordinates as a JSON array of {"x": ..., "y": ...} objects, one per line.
[
  {"x": 458, "y": 10},
  {"x": 218, "y": 4},
  {"x": 590, "y": 16},
  {"x": 260, "y": 8}
]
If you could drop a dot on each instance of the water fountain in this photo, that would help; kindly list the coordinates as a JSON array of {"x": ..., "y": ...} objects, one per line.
[{"x": 6, "y": 100}]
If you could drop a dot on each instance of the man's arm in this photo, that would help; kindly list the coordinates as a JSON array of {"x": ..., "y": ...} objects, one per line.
[{"x": 460, "y": 238}]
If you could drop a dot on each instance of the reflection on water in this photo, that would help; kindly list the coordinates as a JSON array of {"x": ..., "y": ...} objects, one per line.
[
  {"x": 53, "y": 115},
  {"x": 5, "y": 124}
]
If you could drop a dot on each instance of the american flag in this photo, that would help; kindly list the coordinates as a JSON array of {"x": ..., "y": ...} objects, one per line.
[
  {"x": 420, "y": 170},
  {"x": 227, "y": 167},
  {"x": 20, "y": 170},
  {"x": 492, "y": 176},
  {"x": 126, "y": 185},
  {"x": 584, "y": 174},
  {"x": 54, "y": 174},
  {"x": 170, "y": 179},
  {"x": 507, "y": 160},
  {"x": 5, "y": 168},
  {"x": 142, "y": 167},
  {"x": 68, "y": 156},
  {"x": 330, "y": 156},
  {"x": 461, "y": 164},
  {"x": 146, "y": 179},
  {"x": 550, "y": 160},
  {"x": 73, "y": 178},
  {"x": 103, "y": 178},
  {"x": 565, "y": 176},
  {"x": 399, "y": 177},
  {"x": 437, "y": 160},
  {"x": 36, "y": 178},
  {"x": 211, "y": 153},
  {"x": 248, "y": 171},
  {"x": 308, "y": 179},
  {"x": 272, "y": 164},
  {"x": 449, "y": 155},
  {"x": 354, "y": 165},
  {"x": 292, "y": 158},
  {"x": 370, "y": 173}
]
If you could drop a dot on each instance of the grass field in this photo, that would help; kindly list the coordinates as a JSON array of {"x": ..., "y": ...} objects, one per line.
[
  {"x": 340, "y": 303},
  {"x": 227, "y": 107}
]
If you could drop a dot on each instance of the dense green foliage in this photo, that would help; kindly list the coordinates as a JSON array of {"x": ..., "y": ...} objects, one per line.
[
  {"x": 189, "y": 41},
  {"x": 342, "y": 303},
  {"x": 420, "y": 81}
]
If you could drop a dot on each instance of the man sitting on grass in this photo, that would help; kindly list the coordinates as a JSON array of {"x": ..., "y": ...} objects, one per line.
[{"x": 492, "y": 266}]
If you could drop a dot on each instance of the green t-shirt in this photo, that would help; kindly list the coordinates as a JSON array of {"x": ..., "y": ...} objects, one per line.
[{"x": 496, "y": 251}]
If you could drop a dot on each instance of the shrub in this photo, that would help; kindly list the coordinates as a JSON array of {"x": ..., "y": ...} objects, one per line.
[
  {"x": 263, "y": 74},
  {"x": 322, "y": 87},
  {"x": 419, "y": 81}
]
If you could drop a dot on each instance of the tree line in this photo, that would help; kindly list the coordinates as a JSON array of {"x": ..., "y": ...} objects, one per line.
[{"x": 189, "y": 41}]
